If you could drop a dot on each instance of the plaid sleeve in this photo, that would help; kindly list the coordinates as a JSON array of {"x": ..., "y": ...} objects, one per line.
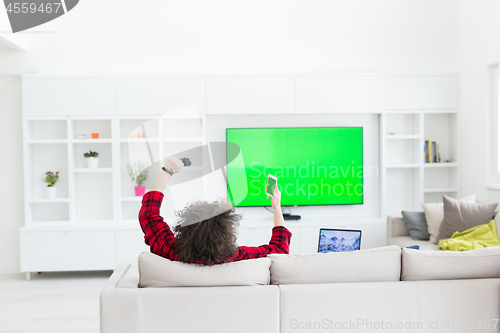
[
  {"x": 157, "y": 233},
  {"x": 280, "y": 243}
]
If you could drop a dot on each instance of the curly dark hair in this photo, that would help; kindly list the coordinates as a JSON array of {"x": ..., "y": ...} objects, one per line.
[{"x": 206, "y": 240}]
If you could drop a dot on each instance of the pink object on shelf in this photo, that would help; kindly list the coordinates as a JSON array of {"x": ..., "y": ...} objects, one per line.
[{"x": 139, "y": 191}]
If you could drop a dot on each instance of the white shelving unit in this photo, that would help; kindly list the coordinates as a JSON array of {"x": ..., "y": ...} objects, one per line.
[
  {"x": 94, "y": 187},
  {"x": 92, "y": 224},
  {"x": 102, "y": 200},
  {"x": 407, "y": 180}
]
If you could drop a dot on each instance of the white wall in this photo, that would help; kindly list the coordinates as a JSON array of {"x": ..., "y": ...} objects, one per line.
[
  {"x": 478, "y": 48},
  {"x": 220, "y": 37},
  {"x": 11, "y": 171}
]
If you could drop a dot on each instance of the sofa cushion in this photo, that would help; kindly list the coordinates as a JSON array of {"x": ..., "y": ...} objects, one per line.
[
  {"x": 405, "y": 241},
  {"x": 156, "y": 271},
  {"x": 372, "y": 265},
  {"x": 417, "y": 226},
  {"x": 434, "y": 214},
  {"x": 460, "y": 216},
  {"x": 450, "y": 265}
]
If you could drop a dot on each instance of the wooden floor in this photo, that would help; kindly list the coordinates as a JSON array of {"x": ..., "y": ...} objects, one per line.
[{"x": 51, "y": 302}]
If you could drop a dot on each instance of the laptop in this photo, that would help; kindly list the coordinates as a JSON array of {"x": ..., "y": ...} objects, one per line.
[{"x": 338, "y": 240}]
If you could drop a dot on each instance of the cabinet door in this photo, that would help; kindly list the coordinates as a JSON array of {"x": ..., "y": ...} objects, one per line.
[
  {"x": 254, "y": 236},
  {"x": 250, "y": 95},
  {"x": 341, "y": 94},
  {"x": 128, "y": 245},
  {"x": 422, "y": 92},
  {"x": 153, "y": 96},
  {"x": 67, "y": 251},
  {"x": 68, "y": 96},
  {"x": 373, "y": 235},
  {"x": 309, "y": 239},
  {"x": 295, "y": 242}
]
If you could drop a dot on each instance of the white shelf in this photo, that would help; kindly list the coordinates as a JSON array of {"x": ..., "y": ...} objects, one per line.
[
  {"x": 167, "y": 116},
  {"x": 132, "y": 140},
  {"x": 406, "y": 165},
  {"x": 130, "y": 198},
  {"x": 426, "y": 165},
  {"x": 93, "y": 170},
  {"x": 46, "y": 141},
  {"x": 451, "y": 111},
  {"x": 440, "y": 165},
  {"x": 198, "y": 139},
  {"x": 92, "y": 140},
  {"x": 44, "y": 200},
  {"x": 408, "y": 136},
  {"x": 395, "y": 112},
  {"x": 440, "y": 189},
  {"x": 44, "y": 226},
  {"x": 424, "y": 111},
  {"x": 94, "y": 222}
]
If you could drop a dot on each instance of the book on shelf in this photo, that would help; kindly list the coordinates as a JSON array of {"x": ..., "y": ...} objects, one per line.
[
  {"x": 431, "y": 152},
  {"x": 425, "y": 151},
  {"x": 434, "y": 153},
  {"x": 428, "y": 151}
]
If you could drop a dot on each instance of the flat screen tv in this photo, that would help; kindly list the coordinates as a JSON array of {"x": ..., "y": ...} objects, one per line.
[{"x": 314, "y": 166}]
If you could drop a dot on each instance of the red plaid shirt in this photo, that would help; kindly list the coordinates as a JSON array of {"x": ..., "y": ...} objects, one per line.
[{"x": 161, "y": 239}]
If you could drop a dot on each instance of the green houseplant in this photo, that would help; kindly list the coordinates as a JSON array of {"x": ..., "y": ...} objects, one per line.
[
  {"x": 138, "y": 173},
  {"x": 51, "y": 179},
  {"x": 92, "y": 158}
]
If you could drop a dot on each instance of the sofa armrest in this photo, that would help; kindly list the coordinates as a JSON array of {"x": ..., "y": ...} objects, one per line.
[
  {"x": 396, "y": 227},
  {"x": 117, "y": 275},
  {"x": 118, "y": 306}
]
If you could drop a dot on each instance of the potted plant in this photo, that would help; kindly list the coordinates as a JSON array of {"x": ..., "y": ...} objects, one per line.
[
  {"x": 92, "y": 159},
  {"x": 51, "y": 180},
  {"x": 138, "y": 173}
]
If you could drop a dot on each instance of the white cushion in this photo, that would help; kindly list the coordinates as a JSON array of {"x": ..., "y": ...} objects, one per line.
[
  {"x": 372, "y": 265},
  {"x": 405, "y": 241},
  {"x": 344, "y": 303},
  {"x": 156, "y": 271},
  {"x": 242, "y": 309},
  {"x": 449, "y": 265},
  {"x": 434, "y": 215}
]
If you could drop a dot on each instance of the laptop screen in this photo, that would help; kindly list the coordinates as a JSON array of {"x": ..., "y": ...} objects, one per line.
[{"x": 338, "y": 240}]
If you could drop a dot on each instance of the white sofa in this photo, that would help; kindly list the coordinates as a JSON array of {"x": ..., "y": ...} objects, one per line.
[{"x": 361, "y": 291}]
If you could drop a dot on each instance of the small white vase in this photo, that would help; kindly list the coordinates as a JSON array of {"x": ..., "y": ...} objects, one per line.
[
  {"x": 93, "y": 162},
  {"x": 51, "y": 192}
]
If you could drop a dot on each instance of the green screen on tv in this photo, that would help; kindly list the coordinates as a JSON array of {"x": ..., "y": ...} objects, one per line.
[{"x": 314, "y": 166}]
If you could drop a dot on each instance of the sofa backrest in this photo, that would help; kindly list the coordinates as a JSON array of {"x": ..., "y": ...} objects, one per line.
[
  {"x": 450, "y": 265},
  {"x": 156, "y": 271},
  {"x": 372, "y": 265}
]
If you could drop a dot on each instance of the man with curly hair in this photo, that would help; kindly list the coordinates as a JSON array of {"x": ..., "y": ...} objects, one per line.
[{"x": 206, "y": 232}]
